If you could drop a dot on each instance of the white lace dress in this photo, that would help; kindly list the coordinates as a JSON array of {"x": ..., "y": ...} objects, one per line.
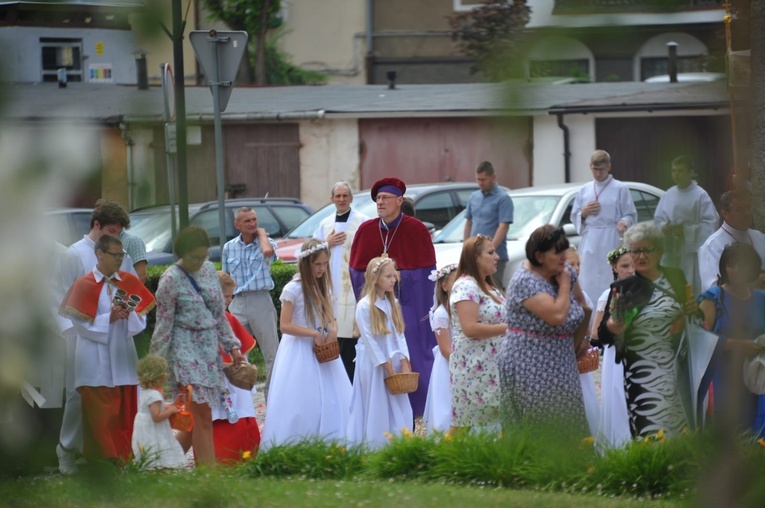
[
  {"x": 154, "y": 444},
  {"x": 438, "y": 405}
]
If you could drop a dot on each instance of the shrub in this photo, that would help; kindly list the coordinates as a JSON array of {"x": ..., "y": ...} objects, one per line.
[{"x": 313, "y": 459}]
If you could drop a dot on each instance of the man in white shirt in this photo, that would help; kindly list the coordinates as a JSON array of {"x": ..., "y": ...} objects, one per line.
[
  {"x": 602, "y": 212},
  {"x": 105, "y": 356},
  {"x": 687, "y": 217},
  {"x": 338, "y": 231},
  {"x": 736, "y": 210},
  {"x": 110, "y": 218}
]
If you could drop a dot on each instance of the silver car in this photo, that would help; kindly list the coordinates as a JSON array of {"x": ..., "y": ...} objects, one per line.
[{"x": 534, "y": 207}]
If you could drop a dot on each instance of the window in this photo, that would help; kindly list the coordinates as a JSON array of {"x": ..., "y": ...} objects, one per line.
[
  {"x": 290, "y": 216},
  {"x": 436, "y": 208},
  {"x": 61, "y": 54},
  {"x": 267, "y": 221},
  {"x": 579, "y": 69},
  {"x": 208, "y": 220},
  {"x": 658, "y": 66},
  {"x": 645, "y": 204}
]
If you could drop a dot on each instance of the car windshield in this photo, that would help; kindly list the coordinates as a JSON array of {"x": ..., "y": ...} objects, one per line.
[
  {"x": 529, "y": 212},
  {"x": 152, "y": 227},
  {"x": 306, "y": 229}
]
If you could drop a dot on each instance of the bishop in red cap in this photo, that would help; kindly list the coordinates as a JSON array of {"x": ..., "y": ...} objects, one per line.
[{"x": 406, "y": 240}]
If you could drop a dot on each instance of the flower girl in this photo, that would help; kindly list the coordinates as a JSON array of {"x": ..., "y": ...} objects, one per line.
[
  {"x": 438, "y": 405},
  {"x": 307, "y": 399},
  {"x": 375, "y": 413},
  {"x": 154, "y": 444}
]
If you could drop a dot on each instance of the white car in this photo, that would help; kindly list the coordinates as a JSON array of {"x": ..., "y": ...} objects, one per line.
[{"x": 534, "y": 207}]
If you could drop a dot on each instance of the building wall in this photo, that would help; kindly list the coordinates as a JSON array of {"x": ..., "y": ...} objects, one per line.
[
  {"x": 329, "y": 153},
  {"x": 24, "y": 56},
  {"x": 326, "y": 36},
  {"x": 549, "y": 162}
]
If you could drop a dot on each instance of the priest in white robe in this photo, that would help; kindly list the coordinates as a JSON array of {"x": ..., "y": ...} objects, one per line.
[
  {"x": 602, "y": 212},
  {"x": 338, "y": 230},
  {"x": 687, "y": 217},
  {"x": 736, "y": 210}
]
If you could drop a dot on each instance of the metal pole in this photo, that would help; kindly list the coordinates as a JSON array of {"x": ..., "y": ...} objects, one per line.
[
  {"x": 170, "y": 162},
  {"x": 180, "y": 113},
  {"x": 215, "y": 84}
]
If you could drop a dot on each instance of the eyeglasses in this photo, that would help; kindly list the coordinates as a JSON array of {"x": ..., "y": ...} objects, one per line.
[
  {"x": 384, "y": 198},
  {"x": 595, "y": 168},
  {"x": 198, "y": 259},
  {"x": 118, "y": 256},
  {"x": 638, "y": 252}
]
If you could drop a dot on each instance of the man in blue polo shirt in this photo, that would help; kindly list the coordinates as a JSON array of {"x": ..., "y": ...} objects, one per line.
[{"x": 490, "y": 212}]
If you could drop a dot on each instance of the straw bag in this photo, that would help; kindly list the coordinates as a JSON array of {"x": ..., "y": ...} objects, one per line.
[
  {"x": 589, "y": 362},
  {"x": 243, "y": 376},
  {"x": 183, "y": 421},
  {"x": 402, "y": 382},
  {"x": 327, "y": 352}
]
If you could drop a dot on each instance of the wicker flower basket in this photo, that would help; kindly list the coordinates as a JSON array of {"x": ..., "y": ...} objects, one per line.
[
  {"x": 402, "y": 382},
  {"x": 327, "y": 351},
  {"x": 590, "y": 361}
]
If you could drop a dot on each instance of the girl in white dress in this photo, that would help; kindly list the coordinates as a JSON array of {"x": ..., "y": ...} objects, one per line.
[
  {"x": 154, "y": 444},
  {"x": 589, "y": 394},
  {"x": 438, "y": 405},
  {"x": 307, "y": 399},
  {"x": 614, "y": 424},
  {"x": 375, "y": 412}
]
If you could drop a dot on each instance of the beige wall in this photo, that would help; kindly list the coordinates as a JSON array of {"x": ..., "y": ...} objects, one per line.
[
  {"x": 326, "y": 36},
  {"x": 329, "y": 153},
  {"x": 150, "y": 37},
  {"x": 425, "y": 20}
]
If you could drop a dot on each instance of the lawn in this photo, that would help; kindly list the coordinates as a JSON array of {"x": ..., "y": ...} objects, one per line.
[{"x": 223, "y": 487}]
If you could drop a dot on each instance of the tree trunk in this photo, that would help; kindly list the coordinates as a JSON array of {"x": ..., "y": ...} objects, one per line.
[
  {"x": 260, "y": 50},
  {"x": 757, "y": 109}
]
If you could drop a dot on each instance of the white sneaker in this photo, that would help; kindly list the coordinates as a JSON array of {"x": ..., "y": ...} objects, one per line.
[{"x": 66, "y": 461}]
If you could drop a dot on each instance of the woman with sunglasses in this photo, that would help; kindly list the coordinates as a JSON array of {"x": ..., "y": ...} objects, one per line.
[
  {"x": 191, "y": 323},
  {"x": 644, "y": 318},
  {"x": 538, "y": 367}
]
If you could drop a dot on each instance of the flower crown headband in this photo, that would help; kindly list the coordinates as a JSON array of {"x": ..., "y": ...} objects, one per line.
[
  {"x": 315, "y": 248},
  {"x": 436, "y": 275},
  {"x": 380, "y": 264},
  {"x": 615, "y": 254}
]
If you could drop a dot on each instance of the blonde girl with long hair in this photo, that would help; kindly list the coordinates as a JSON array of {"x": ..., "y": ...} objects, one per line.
[
  {"x": 307, "y": 399},
  {"x": 375, "y": 412}
]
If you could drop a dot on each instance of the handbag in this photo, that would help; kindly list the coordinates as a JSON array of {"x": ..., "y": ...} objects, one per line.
[
  {"x": 243, "y": 376},
  {"x": 754, "y": 370},
  {"x": 183, "y": 421}
]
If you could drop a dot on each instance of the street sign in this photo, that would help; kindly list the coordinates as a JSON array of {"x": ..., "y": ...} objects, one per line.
[{"x": 219, "y": 53}]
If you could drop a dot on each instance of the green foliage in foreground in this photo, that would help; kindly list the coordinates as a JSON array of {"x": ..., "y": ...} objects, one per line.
[{"x": 653, "y": 468}]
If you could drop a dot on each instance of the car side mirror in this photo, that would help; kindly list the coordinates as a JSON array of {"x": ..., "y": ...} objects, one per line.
[{"x": 570, "y": 230}]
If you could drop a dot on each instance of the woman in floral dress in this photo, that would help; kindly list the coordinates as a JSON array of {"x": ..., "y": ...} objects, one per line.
[
  {"x": 477, "y": 307},
  {"x": 538, "y": 367},
  {"x": 191, "y": 322}
]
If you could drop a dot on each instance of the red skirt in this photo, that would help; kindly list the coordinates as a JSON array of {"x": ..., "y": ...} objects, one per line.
[{"x": 232, "y": 440}]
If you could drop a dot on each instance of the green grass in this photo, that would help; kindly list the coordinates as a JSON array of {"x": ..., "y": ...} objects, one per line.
[{"x": 219, "y": 488}]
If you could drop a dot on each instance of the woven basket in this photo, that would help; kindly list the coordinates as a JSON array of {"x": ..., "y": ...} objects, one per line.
[
  {"x": 402, "y": 382},
  {"x": 242, "y": 376},
  {"x": 589, "y": 362},
  {"x": 327, "y": 351}
]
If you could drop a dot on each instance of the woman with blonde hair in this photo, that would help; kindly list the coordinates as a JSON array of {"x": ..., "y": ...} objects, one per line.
[
  {"x": 380, "y": 352},
  {"x": 478, "y": 320}
]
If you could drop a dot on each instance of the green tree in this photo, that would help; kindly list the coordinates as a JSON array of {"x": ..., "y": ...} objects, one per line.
[
  {"x": 264, "y": 64},
  {"x": 491, "y": 34}
]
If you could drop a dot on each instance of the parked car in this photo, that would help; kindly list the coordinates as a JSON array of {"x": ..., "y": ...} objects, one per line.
[
  {"x": 68, "y": 225},
  {"x": 435, "y": 204},
  {"x": 276, "y": 215},
  {"x": 534, "y": 207}
]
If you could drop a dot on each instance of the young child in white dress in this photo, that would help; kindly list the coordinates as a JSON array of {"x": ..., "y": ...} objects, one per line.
[
  {"x": 375, "y": 412},
  {"x": 307, "y": 399},
  {"x": 589, "y": 395},
  {"x": 438, "y": 405},
  {"x": 154, "y": 444}
]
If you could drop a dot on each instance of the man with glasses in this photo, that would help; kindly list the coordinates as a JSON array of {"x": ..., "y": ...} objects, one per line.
[
  {"x": 736, "y": 211},
  {"x": 109, "y": 218},
  {"x": 602, "y": 212},
  {"x": 407, "y": 241},
  {"x": 106, "y": 358},
  {"x": 339, "y": 230},
  {"x": 247, "y": 258},
  {"x": 490, "y": 212}
]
